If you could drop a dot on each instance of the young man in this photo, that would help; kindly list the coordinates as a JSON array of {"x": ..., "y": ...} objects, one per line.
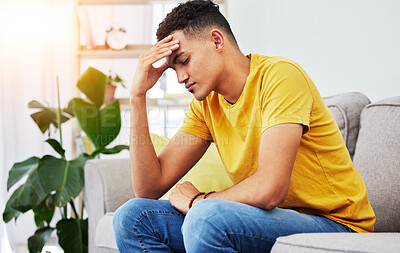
[{"x": 277, "y": 139}]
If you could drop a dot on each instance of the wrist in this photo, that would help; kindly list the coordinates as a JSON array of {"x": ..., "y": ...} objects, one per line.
[
  {"x": 192, "y": 201},
  {"x": 203, "y": 196},
  {"x": 137, "y": 99}
]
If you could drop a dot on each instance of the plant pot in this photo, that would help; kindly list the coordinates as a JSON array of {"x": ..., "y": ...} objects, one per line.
[{"x": 110, "y": 91}]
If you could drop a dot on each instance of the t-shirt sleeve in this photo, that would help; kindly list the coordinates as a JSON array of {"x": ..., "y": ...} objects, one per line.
[
  {"x": 285, "y": 96},
  {"x": 194, "y": 122}
]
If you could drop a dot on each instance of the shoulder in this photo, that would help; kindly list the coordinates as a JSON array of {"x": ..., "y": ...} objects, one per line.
[
  {"x": 271, "y": 71},
  {"x": 274, "y": 64}
]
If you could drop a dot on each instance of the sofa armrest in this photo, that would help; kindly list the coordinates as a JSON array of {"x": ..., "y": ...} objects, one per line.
[{"x": 108, "y": 185}]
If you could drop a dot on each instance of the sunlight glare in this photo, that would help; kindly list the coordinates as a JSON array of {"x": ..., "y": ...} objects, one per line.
[{"x": 26, "y": 22}]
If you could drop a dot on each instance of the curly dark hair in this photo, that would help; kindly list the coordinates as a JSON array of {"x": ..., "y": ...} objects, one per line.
[{"x": 194, "y": 17}]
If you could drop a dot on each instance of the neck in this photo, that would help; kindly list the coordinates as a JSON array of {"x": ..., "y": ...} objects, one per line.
[{"x": 234, "y": 77}]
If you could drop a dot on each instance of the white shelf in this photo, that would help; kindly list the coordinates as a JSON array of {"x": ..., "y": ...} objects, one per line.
[
  {"x": 165, "y": 103},
  {"x": 102, "y": 52}
]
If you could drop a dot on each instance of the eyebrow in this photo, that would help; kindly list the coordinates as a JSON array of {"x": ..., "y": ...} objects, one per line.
[{"x": 176, "y": 58}]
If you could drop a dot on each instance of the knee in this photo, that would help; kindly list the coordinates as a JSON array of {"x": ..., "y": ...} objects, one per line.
[
  {"x": 201, "y": 222},
  {"x": 127, "y": 214}
]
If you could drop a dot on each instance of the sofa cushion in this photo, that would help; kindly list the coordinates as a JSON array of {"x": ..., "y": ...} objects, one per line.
[
  {"x": 105, "y": 234},
  {"x": 338, "y": 242},
  {"x": 346, "y": 109},
  {"x": 377, "y": 159}
]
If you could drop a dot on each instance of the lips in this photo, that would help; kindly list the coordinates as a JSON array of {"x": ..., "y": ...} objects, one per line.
[{"x": 189, "y": 86}]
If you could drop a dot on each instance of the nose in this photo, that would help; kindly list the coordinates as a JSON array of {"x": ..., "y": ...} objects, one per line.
[{"x": 182, "y": 76}]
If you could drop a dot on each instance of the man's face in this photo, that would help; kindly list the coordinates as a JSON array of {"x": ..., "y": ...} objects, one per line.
[{"x": 196, "y": 64}]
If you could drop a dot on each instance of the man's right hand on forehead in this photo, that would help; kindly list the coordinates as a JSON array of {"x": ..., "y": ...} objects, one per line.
[{"x": 146, "y": 74}]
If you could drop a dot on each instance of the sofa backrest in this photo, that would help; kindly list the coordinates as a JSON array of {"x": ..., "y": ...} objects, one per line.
[
  {"x": 346, "y": 109},
  {"x": 377, "y": 158}
]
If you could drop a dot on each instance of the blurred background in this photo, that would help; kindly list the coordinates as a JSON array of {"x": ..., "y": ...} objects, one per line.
[{"x": 344, "y": 45}]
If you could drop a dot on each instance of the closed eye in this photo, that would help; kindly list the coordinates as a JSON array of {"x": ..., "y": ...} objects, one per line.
[{"x": 185, "y": 61}]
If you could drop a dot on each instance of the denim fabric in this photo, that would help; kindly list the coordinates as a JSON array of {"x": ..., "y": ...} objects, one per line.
[{"x": 211, "y": 225}]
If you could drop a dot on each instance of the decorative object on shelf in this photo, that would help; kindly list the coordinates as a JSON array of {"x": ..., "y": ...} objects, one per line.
[
  {"x": 53, "y": 182},
  {"x": 85, "y": 28},
  {"x": 116, "y": 38},
  {"x": 113, "y": 80}
]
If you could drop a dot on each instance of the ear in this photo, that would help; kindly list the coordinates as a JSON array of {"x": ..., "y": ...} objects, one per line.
[{"x": 217, "y": 38}]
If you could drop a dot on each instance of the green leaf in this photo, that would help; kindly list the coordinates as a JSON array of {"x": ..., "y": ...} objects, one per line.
[
  {"x": 21, "y": 169},
  {"x": 64, "y": 177},
  {"x": 69, "y": 237},
  {"x": 46, "y": 117},
  {"x": 110, "y": 117},
  {"x": 56, "y": 146},
  {"x": 93, "y": 84},
  {"x": 10, "y": 213},
  {"x": 43, "y": 213},
  {"x": 101, "y": 127},
  {"x": 110, "y": 151},
  {"x": 28, "y": 195},
  {"x": 39, "y": 239},
  {"x": 87, "y": 115},
  {"x": 80, "y": 161},
  {"x": 69, "y": 110}
]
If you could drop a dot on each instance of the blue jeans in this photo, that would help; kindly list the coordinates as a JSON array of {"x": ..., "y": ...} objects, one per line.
[{"x": 211, "y": 225}]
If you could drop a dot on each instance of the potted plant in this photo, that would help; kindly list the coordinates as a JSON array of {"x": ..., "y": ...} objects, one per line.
[
  {"x": 113, "y": 80},
  {"x": 54, "y": 182}
]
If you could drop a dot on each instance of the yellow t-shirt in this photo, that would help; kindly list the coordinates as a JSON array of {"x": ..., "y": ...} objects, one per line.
[{"x": 324, "y": 180}]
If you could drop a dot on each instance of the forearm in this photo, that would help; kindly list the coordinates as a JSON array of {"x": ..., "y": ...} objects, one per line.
[
  {"x": 145, "y": 166},
  {"x": 252, "y": 191}
]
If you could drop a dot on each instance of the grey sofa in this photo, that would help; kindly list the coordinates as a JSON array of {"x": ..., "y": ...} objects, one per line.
[{"x": 372, "y": 136}]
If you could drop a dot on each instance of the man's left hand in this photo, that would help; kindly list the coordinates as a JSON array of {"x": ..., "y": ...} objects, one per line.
[{"x": 181, "y": 195}]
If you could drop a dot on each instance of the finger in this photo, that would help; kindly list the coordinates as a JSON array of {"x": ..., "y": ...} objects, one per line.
[
  {"x": 160, "y": 55},
  {"x": 157, "y": 54},
  {"x": 168, "y": 44},
  {"x": 166, "y": 39},
  {"x": 147, "y": 61},
  {"x": 172, "y": 45},
  {"x": 163, "y": 49}
]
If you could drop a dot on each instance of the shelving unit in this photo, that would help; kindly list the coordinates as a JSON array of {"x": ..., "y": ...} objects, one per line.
[
  {"x": 100, "y": 52},
  {"x": 130, "y": 51}
]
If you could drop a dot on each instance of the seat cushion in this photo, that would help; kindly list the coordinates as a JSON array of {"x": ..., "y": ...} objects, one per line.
[
  {"x": 377, "y": 159},
  {"x": 338, "y": 242},
  {"x": 104, "y": 237},
  {"x": 346, "y": 109}
]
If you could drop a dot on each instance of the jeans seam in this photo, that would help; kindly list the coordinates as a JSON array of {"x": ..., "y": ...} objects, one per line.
[
  {"x": 119, "y": 231},
  {"x": 142, "y": 217},
  {"x": 342, "y": 226},
  {"x": 234, "y": 233},
  {"x": 252, "y": 236},
  {"x": 346, "y": 231}
]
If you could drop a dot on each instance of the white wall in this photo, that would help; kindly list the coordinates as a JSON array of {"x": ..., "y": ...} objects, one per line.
[
  {"x": 344, "y": 45},
  {"x": 34, "y": 52}
]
